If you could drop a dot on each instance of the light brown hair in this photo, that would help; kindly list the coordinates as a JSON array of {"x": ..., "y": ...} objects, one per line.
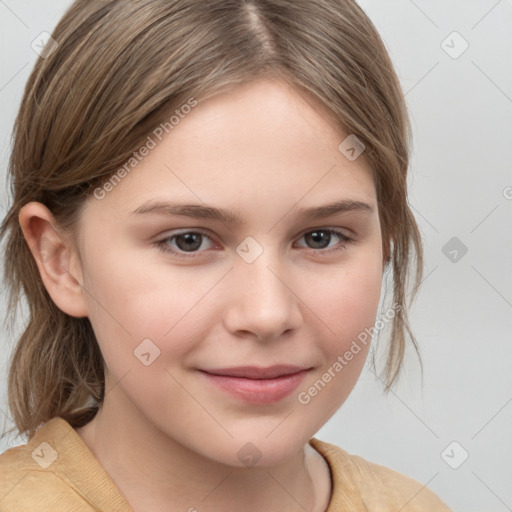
[{"x": 120, "y": 68}]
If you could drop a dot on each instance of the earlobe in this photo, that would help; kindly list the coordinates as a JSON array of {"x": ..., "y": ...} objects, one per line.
[{"x": 56, "y": 258}]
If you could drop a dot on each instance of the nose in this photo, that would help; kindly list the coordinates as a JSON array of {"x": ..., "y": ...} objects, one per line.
[{"x": 264, "y": 303}]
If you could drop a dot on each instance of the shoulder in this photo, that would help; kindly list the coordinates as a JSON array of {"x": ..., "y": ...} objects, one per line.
[
  {"x": 365, "y": 485},
  {"x": 55, "y": 471},
  {"x": 26, "y": 477}
]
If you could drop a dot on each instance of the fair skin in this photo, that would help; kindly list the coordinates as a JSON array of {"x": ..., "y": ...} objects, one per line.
[{"x": 165, "y": 434}]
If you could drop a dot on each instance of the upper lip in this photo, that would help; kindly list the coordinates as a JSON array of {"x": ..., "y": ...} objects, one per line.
[{"x": 254, "y": 372}]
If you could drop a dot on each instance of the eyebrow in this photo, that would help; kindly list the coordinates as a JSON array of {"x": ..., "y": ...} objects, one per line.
[{"x": 229, "y": 216}]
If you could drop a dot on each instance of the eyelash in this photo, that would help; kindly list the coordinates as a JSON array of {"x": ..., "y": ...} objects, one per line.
[{"x": 164, "y": 246}]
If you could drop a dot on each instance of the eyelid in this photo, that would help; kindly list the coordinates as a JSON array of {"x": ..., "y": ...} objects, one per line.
[{"x": 333, "y": 229}]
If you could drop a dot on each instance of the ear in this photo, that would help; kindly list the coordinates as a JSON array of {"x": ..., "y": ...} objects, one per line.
[{"x": 56, "y": 257}]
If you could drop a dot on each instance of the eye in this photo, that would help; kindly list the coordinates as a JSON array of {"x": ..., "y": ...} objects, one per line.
[
  {"x": 189, "y": 243},
  {"x": 320, "y": 239},
  {"x": 185, "y": 242}
]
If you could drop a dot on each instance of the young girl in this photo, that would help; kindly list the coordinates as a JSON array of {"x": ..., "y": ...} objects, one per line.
[{"x": 207, "y": 196}]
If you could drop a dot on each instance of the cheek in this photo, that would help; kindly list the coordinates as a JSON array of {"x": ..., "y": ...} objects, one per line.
[
  {"x": 348, "y": 298},
  {"x": 131, "y": 300},
  {"x": 348, "y": 304}
]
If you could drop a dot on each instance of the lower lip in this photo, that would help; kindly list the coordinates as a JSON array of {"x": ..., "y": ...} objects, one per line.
[{"x": 258, "y": 391}]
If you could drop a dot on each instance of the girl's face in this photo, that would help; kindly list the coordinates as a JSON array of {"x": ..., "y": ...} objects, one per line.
[{"x": 217, "y": 251}]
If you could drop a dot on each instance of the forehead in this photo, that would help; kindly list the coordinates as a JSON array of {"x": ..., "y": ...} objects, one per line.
[{"x": 259, "y": 144}]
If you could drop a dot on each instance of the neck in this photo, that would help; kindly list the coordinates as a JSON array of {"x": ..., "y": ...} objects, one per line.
[{"x": 154, "y": 472}]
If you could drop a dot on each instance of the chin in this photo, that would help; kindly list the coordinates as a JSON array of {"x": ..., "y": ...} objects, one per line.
[{"x": 259, "y": 447}]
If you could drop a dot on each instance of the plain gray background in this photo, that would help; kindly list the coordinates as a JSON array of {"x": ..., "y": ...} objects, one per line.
[{"x": 460, "y": 186}]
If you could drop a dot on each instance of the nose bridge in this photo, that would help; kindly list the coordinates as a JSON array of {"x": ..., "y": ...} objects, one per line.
[{"x": 263, "y": 302}]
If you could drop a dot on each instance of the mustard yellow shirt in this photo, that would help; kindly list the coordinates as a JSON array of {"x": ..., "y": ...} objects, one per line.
[{"x": 56, "y": 472}]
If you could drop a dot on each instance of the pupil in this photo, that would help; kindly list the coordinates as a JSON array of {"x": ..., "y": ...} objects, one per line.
[{"x": 192, "y": 241}]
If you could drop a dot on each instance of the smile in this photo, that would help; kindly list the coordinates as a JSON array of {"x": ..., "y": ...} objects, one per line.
[{"x": 257, "y": 385}]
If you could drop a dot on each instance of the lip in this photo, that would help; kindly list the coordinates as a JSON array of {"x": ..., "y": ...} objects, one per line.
[{"x": 255, "y": 384}]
